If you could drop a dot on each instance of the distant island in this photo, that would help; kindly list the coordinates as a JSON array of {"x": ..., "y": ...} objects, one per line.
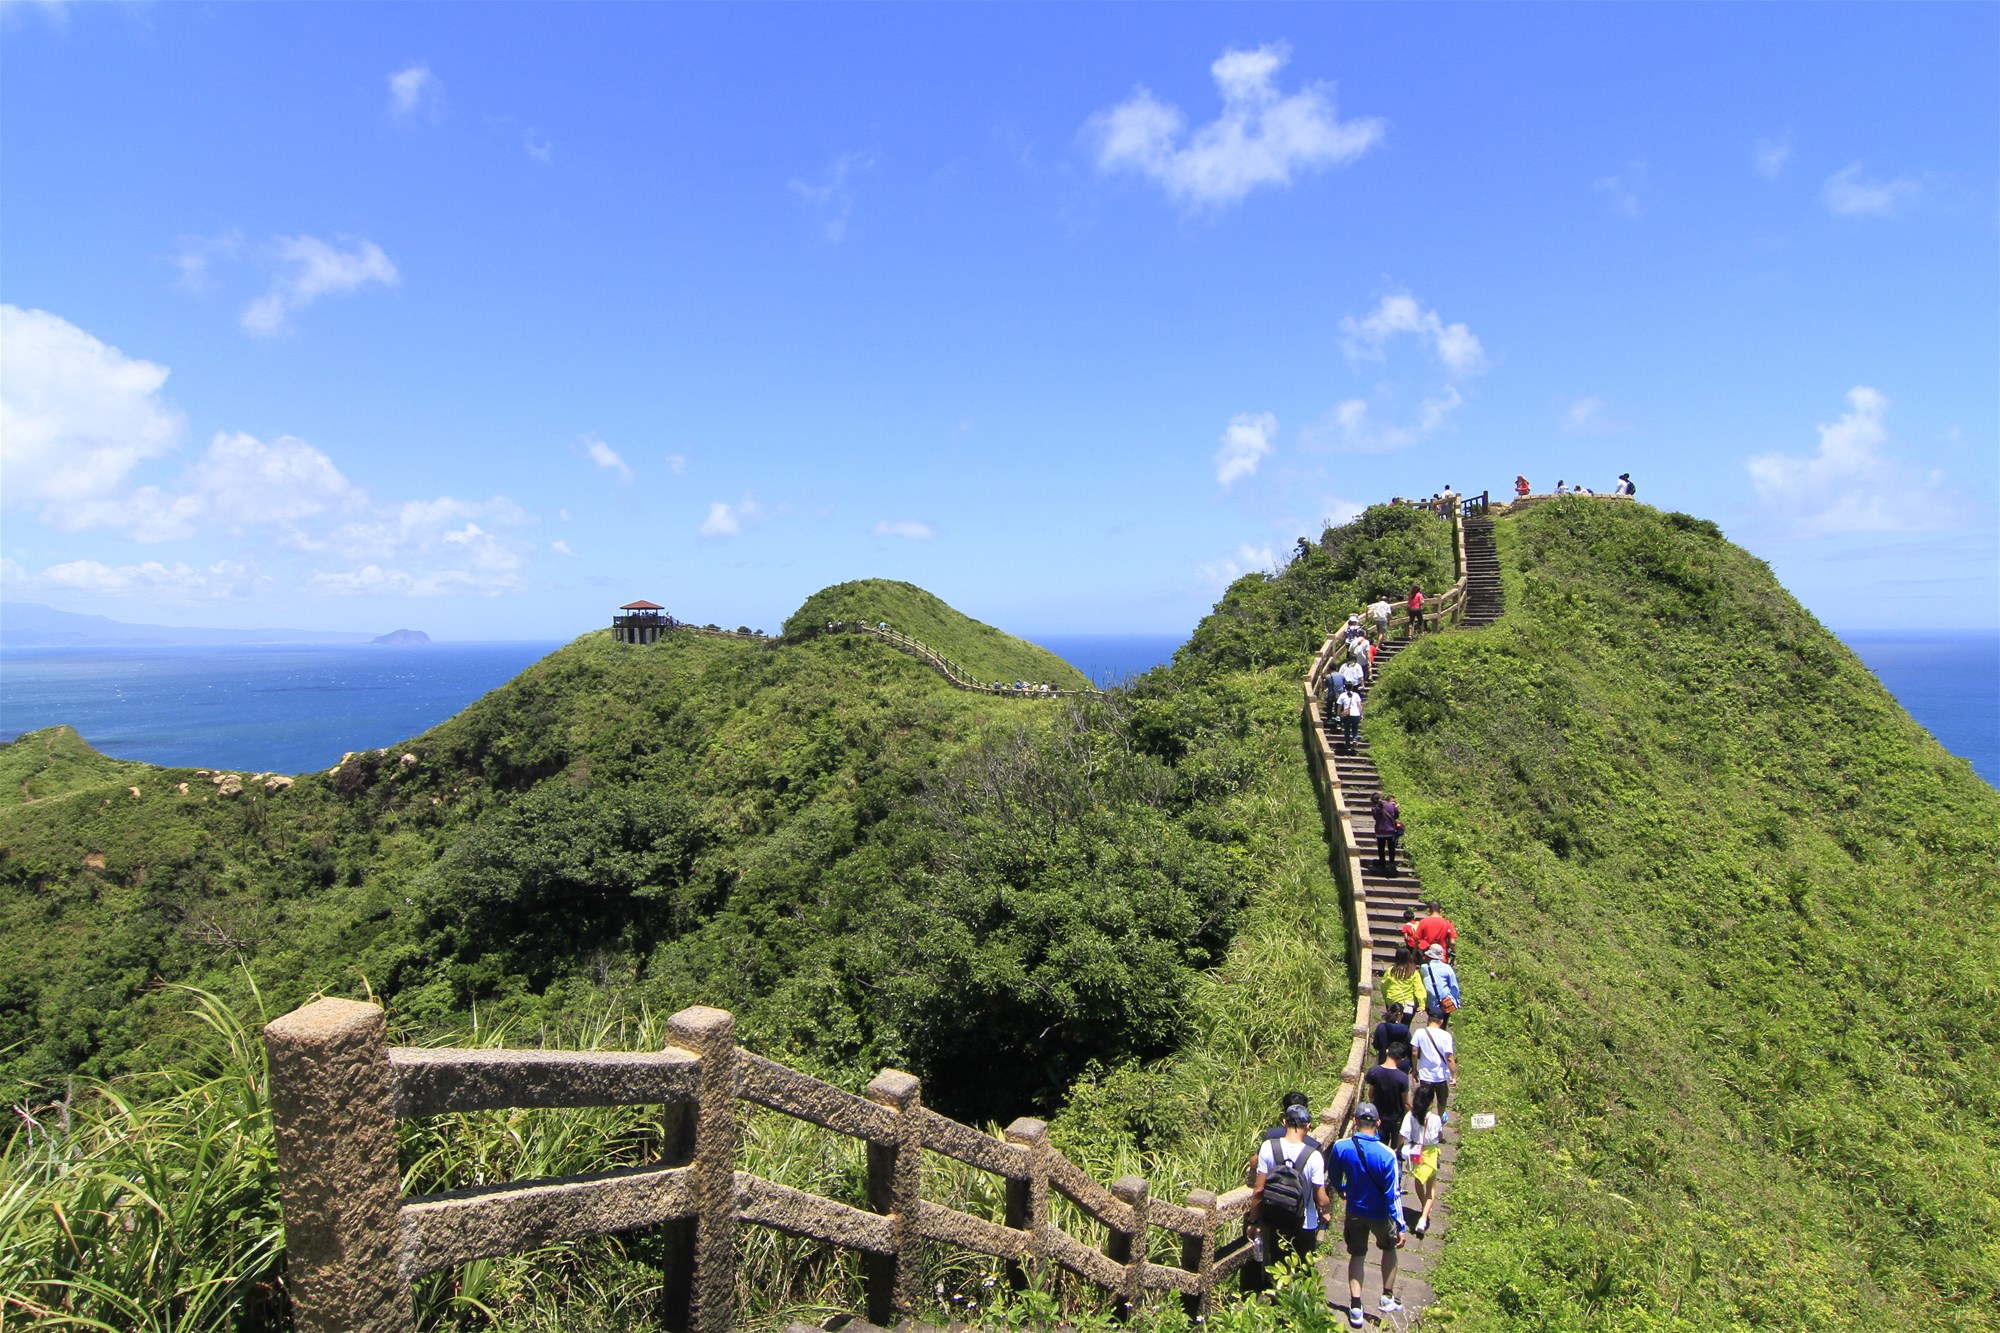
[{"x": 402, "y": 636}]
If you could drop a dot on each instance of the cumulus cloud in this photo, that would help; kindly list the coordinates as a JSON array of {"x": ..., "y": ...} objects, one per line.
[
  {"x": 1368, "y": 338},
  {"x": 1769, "y": 156},
  {"x": 76, "y": 415},
  {"x": 1848, "y": 193},
  {"x": 1248, "y": 558},
  {"x": 606, "y": 457},
  {"x": 1262, "y": 137},
  {"x": 905, "y": 527},
  {"x": 308, "y": 269},
  {"x": 831, "y": 197},
  {"x": 728, "y": 520},
  {"x": 1849, "y": 484},
  {"x": 155, "y": 580},
  {"x": 414, "y": 90},
  {"x": 1624, "y": 189},
  {"x": 1245, "y": 443},
  {"x": 561, "y": 548}
]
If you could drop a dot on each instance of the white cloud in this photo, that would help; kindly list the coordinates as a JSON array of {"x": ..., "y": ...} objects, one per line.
[
  {"x": 153, "y": 580},
  {"x": 76, "y": 415},
  {"x": 677, "y": 463},
  {"x": 1850, "y": 194},
  {"x": 196, "y": 253},
  {"x": 1849, "y": 485},
  {"x": 1769, "y": 156},
  {"x": 1624, "y": 189},
  {"x": 727, "y": 520},
  {"x": 1248, "y": 558},
  {"x": 1245, "y": 442},
  {"x": 561, "y": 548},
  {"x": 1587, "y": 416},
  {"x": 606, "y": 457},
  {"x": 1368, "y": 338},
  {"x": 309, "y": 268},
  {"x": 415, "y": 89},
  {"x": 1261, "y": 137},
  {"x": 538, "y": 146},
  {"x": 904, "y": 527},
  {"x": 831, "y": 197}
]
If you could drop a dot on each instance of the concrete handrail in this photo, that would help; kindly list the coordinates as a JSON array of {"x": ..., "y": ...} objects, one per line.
[{"x": 354, "y": 1243}]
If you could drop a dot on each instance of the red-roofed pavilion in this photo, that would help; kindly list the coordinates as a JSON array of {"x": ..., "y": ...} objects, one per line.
[{"x": 640, "y": 622}]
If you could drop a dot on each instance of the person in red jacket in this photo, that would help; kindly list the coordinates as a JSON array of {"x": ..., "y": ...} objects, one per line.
[{"x": 1434, "y": 928}]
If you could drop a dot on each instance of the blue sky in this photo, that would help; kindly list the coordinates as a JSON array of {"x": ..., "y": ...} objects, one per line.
[{"x": 485, "y": 319}]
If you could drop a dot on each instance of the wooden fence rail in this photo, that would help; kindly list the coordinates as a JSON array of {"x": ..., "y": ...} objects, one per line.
[{"x": 354, "y": 1243}]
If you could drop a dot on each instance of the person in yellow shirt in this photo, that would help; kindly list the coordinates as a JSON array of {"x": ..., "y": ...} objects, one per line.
[{"x": 1402, "y": 984}]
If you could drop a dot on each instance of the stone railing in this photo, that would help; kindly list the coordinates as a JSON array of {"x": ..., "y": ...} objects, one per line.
[
  {"x": 354, "y": 1243},
  {"x": 955, "y": 675},
  {"x": 1347, "y": 847}
]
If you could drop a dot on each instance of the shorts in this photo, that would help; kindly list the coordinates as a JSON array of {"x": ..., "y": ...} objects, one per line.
[
  {"x": 1427, "y": 1093},
  {"x": 1359, "y": 1229}
]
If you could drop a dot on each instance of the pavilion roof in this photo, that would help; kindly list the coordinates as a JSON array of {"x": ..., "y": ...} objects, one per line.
[{"x": 642, "y": 605}]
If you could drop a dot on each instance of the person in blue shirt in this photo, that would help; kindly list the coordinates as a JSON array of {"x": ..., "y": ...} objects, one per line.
[
  {"x": 1440, "y": 980},
  {"x": 1362, "y": 1170}
]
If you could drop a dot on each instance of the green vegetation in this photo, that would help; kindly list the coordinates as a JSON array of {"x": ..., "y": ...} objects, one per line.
[
  {"x": 1742, "y": 920},
  {"x": 987, "y": 653},
  {"x": 1123, "y": 903},
  {"x": 56, "y": 761}
]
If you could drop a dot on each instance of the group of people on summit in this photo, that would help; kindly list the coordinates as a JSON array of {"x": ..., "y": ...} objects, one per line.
[{"x": 1398, "y": 1128}]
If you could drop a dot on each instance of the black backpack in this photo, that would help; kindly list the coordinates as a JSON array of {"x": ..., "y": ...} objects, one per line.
[{"x": 1285, "y": 1189}]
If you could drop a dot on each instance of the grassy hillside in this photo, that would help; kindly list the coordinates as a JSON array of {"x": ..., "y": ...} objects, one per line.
[
  {"x": 55, "y": 761},
  {"x": 989, "y": 654},
  {"x": 1732, "y": 945}
]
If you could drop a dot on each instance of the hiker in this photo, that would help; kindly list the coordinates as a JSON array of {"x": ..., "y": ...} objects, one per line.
[
  {"x": 1436, "y": 928},
  {"x": 1437, "y": 1071},
  {"x": 1277, "y": 1131},
  {"x": 1358, "y": 651},
  {"x": 1392, "y": 1030},
  {"x": 1625, "y": 487},
  {"x": 1422, "y": 1146},
  {"x": 1379, "y": 611},
  {"x": 1561, "y": 489},
  {"x": 1388, "y": 1087},
  {"x": 1388, "y": 831},
  {"x": 1416, "y": 601},
  {"x": 1367, "y": 1176},
  {"x": 1353, "y": 673},
  {"x": 1350, "y": 720},
  {"x": 1289, "y": 1191},
  {"x": 1409, "y": 929},
  {"x": 1520, "y": 488},
  {"x": 1442, "y": 997},
  {"x": 1401, "y": 986}
]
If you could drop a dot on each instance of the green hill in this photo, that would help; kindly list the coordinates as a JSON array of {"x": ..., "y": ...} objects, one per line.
[
  {"x": 987, "y": 653},
  {"x": 55, "y": 761},
  {"x": 1732, "y": 947}
]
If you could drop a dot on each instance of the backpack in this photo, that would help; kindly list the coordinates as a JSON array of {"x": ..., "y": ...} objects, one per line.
[
  {"x": 1631, "y": 490},
  {"x": 1285, "y": 1189}
]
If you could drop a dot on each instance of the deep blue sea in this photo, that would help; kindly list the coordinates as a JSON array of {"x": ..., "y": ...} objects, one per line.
[
  {"x": 294, "y": 709},
  {"x": 278, "y": 708}
]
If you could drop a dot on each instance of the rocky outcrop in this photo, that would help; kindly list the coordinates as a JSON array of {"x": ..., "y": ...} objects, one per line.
[{"x": 278, "y": 782}]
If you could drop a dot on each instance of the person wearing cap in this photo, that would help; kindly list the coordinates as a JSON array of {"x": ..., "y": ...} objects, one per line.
[
  {"x": 1357, "y": 648},
  {"x": 1440, "y": 984},
  {"x": 1366, "y": 1174},
  {"x": 1624, "y": 486},
  {"x": 1302, "y": 1155},
  {"x": 1298, "y": 1099}
]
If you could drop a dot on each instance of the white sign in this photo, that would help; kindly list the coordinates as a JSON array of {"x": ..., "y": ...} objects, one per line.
[{"x": 1482, "y": 1120}]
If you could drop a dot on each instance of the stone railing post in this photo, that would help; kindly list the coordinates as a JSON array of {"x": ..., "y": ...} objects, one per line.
[
  {"x": 699, "y": 1290},
  {"x": 1198, "y": 1257},
  {"x": 1028, "y": 1200},
  {"x": 333, "y": 1111},
  {"x": 895, "y": 1186},
  {"x": 1129, "y": 1247}
]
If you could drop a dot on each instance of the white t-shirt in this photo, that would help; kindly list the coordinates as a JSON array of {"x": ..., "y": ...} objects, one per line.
[
  {"x": 1351, "y": 673},
  {"x": 1432, "y": 1044},
  {"x": 1349, "y": 704},
  {"x": 1380, "y": 610},
  {"x": 1358, "y": 650},
  {"x": 1433, "y": 1130},
  {"x": 1314, "y": 1172}
]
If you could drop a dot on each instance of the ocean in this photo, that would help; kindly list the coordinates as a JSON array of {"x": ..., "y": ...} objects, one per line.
[{"x": 292, "y": 709}]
